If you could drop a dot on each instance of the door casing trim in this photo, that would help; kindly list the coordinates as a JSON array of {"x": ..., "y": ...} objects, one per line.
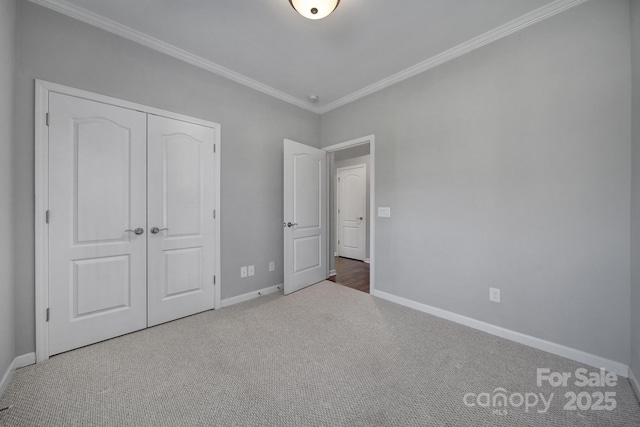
[
  {"x": 42, "y": 91},
  {"x": 371, "y": 140}
]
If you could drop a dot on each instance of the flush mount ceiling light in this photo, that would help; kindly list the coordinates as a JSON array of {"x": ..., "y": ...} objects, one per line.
[{"x": 314, "y": 9}]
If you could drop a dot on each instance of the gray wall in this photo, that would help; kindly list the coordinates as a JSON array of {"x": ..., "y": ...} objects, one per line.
[
  {"x": 344, "y": 158},
  {"x": 7, "y": 66},
  {"x": 510, "y": 167},
  {"x": 56, "y": 48},
  {"x": 635, "y": 190}
]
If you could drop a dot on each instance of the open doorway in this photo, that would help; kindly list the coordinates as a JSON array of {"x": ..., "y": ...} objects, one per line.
[{"x": 351, "y": 222}]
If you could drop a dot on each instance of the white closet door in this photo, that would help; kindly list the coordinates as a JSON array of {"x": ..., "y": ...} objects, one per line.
[
  {"x": 97, "y": 191},
  {"x": 181, "y": 190}
]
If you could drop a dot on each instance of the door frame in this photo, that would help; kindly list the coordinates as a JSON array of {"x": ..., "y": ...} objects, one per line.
[
  {"x": 364, "y": 194},
  {"x": 371, "y": 140},
  {"x": 42, "y": 91}
]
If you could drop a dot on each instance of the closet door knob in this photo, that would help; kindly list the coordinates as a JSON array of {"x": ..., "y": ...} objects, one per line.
[{"x": 156, "y": 230}]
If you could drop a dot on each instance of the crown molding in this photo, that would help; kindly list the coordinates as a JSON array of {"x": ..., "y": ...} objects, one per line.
[
  {"x": 459, "y": 50},
  {"x": 518, "y": 24},
  {"x": 99, "y": 21}
]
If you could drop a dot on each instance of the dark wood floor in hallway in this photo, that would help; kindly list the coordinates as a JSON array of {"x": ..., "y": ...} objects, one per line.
[{"x": 352, "y": 273}]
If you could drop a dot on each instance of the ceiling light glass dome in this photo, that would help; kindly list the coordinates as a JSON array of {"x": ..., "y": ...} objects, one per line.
[{"x": 314, "y": 9}]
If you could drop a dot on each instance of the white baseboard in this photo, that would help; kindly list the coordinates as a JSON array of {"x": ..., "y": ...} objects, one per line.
[
  {"x": 548, "y": 346},
  {"x": 24, "y": 360},
  {"x": 332, "y": 273},
  {"x": 634, "y": 383},
  {"x": 250, "y": 295},
  {"x": 18, "y": 362},
  {"x": 367, "y": 260},
  {"x": 6, "y": 377}
]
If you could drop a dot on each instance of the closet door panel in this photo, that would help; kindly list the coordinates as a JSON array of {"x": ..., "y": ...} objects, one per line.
[
  {"x": 181, "y": 200},
  {"x": 97, "y": 191}
]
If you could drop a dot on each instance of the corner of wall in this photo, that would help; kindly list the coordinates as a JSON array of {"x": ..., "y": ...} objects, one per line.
[
  {"x": 635, "y": 193},
  {"x": 8, "y": 15}
]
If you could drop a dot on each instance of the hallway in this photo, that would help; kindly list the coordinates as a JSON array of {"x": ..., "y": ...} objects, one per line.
[{"x": 352, "y": 274}]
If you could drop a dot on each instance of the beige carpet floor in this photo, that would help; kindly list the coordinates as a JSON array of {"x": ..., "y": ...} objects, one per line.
[{"x": 324, "y": 356}]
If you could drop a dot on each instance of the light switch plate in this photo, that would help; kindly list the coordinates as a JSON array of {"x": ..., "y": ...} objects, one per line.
[
  {"x": 251, "y": 270},
  {"x": 272, "y": 266},
  {"x": 243, "y": 272},
  {"x": 384, "y": 212}
]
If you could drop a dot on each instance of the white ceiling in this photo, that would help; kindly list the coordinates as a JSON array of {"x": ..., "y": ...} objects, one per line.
[{"x": 363, "y": 46}]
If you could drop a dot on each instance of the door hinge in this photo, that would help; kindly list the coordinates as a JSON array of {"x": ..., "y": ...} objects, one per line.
[
  {"x": 47, "y": 118},
  {"x": 214, "y": 280},
  {"x": 47, "y": 216},
  {"x": 338, "y": 241},
  {"x": 338, "y": 210},
  {"x": 214, "y": 214},
  {"x": 214, "y": 148},
  {"x": 338, "y": 179},
  {"x": 48, "y": 312}
]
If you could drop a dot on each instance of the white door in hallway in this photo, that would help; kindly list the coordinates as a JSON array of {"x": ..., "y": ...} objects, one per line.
[
  {"x": 97, "y": 227},
  {"x": 181, "y": 219},
  {"x": 352, "y": 199},
  {"x": 305, "y": 193}
]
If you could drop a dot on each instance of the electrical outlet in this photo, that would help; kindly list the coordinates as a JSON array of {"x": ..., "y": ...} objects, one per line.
[
  {"x": 272, "y": 266},
  {"x": 252, "y": 270},
  {"x": 494, "y": 294},
  {"x": 243, "y": 272}
]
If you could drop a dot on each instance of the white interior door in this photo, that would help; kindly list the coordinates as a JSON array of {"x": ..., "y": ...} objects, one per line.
[
  {"x": 181, "y": 193},
  {"x": 305, "y": 192},
  {"x": 352, "y": 199},
  {"x": 97, "y": 197}
]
